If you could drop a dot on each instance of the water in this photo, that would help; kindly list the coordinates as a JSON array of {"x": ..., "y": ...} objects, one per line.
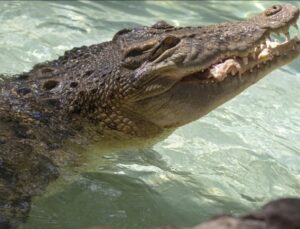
[{"x": 238, "y": 157}]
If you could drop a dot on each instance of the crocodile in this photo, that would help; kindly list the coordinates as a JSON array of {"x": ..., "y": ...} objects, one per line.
[{"x": 133, "y": 90}]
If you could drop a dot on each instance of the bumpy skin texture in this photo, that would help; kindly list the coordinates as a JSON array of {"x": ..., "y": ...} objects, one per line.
[{"x": 132, "y": 87}]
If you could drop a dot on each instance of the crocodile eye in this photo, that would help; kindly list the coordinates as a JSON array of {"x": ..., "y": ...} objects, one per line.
[
  {"x": 135, "y": 55},
  {"x": 134, "y": 52},
  {"x": 138, "y": 50},
  {"x": 273, "y": 10},
  {"x": 167, "y": 43}
]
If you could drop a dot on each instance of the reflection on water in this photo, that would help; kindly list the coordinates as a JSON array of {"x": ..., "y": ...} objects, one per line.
[{"x": 236, "y": 158}]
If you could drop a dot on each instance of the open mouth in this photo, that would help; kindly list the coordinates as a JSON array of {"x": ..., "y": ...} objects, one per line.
[{"x": 264, "y": 53}]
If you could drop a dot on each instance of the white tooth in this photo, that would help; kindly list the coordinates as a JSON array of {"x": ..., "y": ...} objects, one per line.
[
  {"x": 262, "y": 46},
  {"x": 245, "y": 60},
  {"x": 268, "y": 42},
  {"x": 253, "y": 55},
  {"x": 274, "y": 44},
  {"x": 296, "y": 26},
  {"x": 251, "y": 70},
  {"x": 294, "y": 48},
  {"x": 264, "y": 55}
]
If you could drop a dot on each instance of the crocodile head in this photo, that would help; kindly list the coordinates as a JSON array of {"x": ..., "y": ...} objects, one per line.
[{"x": 178, "y": 74}]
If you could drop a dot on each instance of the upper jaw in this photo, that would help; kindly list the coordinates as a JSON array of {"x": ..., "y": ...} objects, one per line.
[
  {"x": 262, "y": 51},
  {"x": 231, "y": 63}
]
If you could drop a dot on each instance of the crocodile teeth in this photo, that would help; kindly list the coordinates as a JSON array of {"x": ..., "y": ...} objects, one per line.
[
  {"x": 229, "y": 64},
  {"x": 272, "y": 44},
  {"x": 264, "y": 55},
  {"x": 268, "y": 43}
]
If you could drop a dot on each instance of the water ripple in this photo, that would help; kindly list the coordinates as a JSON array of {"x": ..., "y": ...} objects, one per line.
[{"x": 236, "y": 158}]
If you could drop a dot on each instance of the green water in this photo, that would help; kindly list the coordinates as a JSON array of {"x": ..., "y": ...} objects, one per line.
[{"x": 233, "y": 160}]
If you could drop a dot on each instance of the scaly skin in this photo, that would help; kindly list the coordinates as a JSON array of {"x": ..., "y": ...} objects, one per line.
[{"x": 136, "y": 88}]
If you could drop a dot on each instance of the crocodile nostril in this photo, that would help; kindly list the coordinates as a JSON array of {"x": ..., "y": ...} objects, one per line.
[{"x": 273, "y": 10}]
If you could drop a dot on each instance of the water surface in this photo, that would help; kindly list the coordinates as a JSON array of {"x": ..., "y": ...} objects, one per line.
[{"x": 238, "y": 157}]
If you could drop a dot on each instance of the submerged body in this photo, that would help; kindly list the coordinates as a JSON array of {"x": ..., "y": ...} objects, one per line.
[{"x": 138, "y": 87}]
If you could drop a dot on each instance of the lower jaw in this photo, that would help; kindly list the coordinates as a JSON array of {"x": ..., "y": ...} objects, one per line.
[
  {"x": 233, "y": 85},
  {"x": 211, "y": 95}
]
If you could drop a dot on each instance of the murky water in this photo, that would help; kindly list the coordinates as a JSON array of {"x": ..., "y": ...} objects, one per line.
[{"x": 233, "y": 160}]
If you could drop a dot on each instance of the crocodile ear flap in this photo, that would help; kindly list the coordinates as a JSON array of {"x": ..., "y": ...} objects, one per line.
[{"x": 165, "y": 44}]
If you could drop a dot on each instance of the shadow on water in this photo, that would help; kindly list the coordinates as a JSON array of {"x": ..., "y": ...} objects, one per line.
[{"x": 129, "y": 193}]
